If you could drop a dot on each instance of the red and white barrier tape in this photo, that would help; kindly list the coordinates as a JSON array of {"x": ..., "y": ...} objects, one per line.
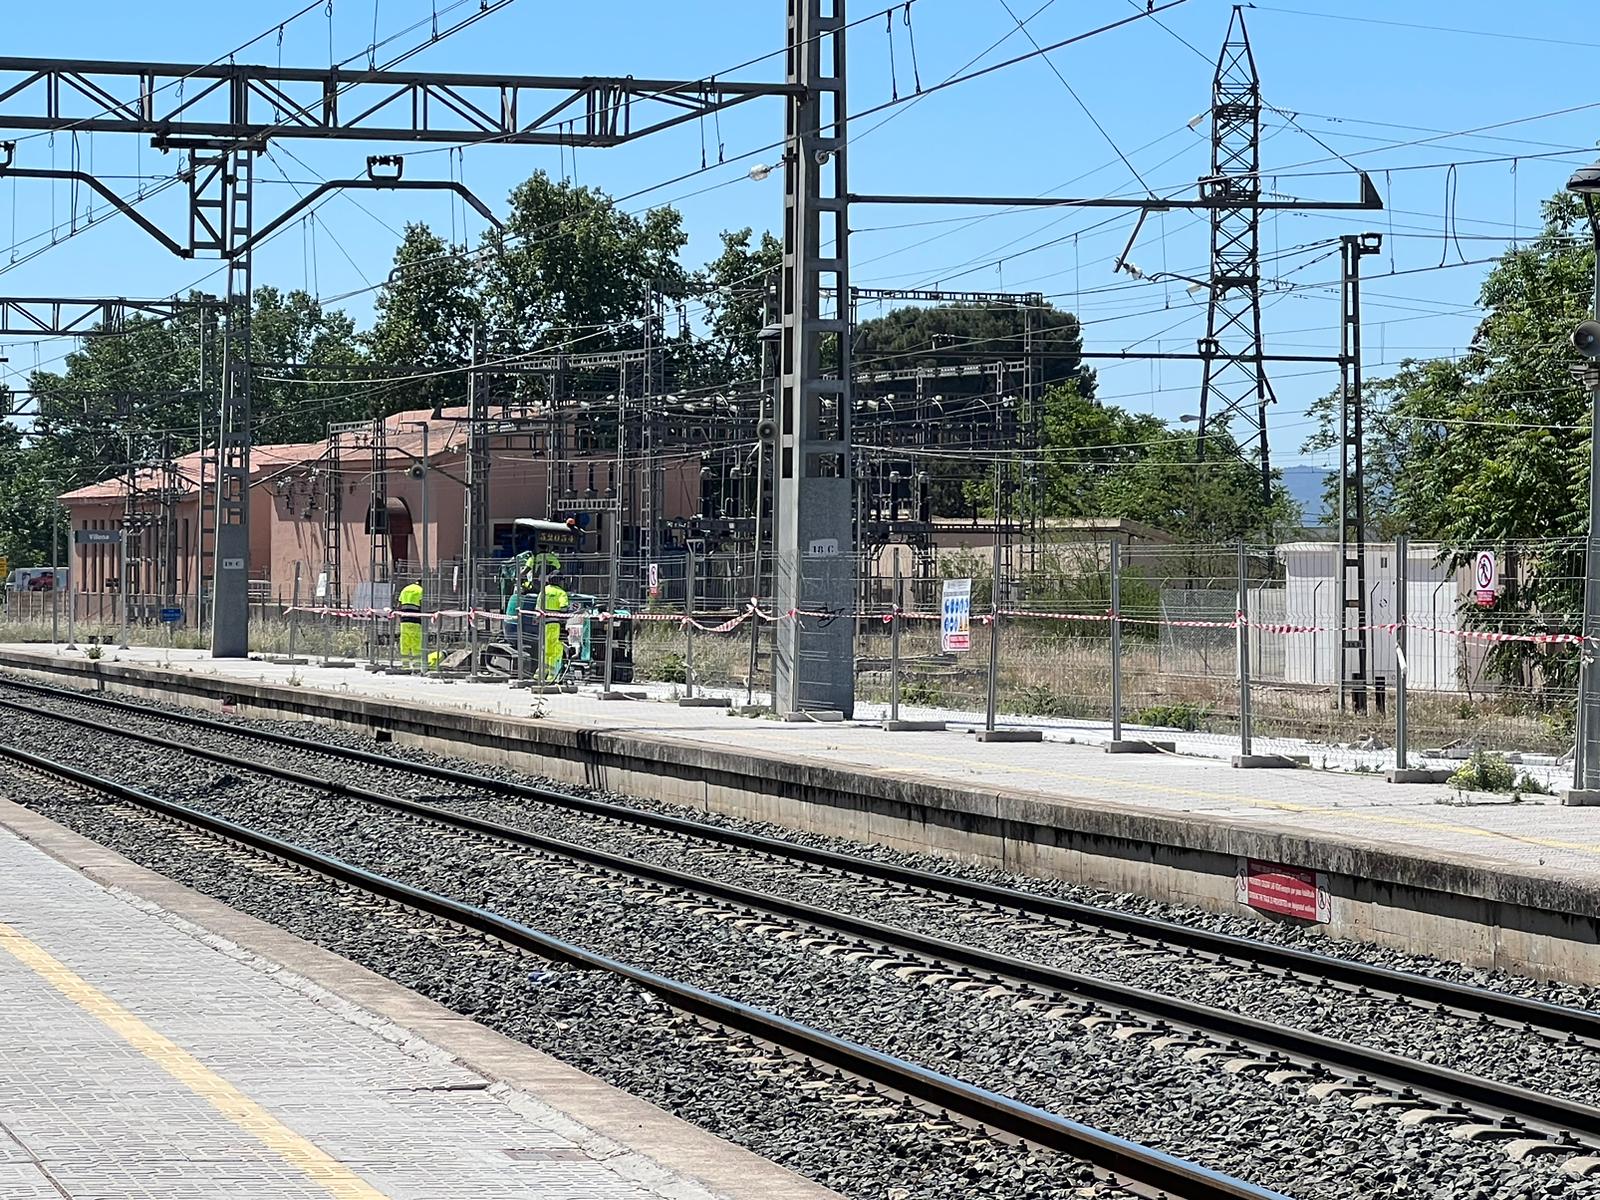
[{"x": 754, "y": 612}]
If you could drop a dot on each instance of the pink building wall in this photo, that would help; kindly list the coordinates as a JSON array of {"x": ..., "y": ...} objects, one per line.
[
  {"x": 517, "y": 488},
  {"x": 288, "y": 499}
]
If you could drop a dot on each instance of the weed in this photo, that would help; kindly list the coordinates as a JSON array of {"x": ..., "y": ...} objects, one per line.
[
  {"x": 1041, "y": 700},
  {"x": 94, "y": 652},
  {"x": 1184, "y": 716},
  {"x": 922, "y": 693},
  {"x": 1527, "y": 785},
  {"x": 1484, "y": 773},
  {"x": 672, "y": 669}
]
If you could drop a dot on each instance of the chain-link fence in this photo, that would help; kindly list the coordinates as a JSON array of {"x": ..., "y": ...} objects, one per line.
[{"x": 1292, "y": 649}]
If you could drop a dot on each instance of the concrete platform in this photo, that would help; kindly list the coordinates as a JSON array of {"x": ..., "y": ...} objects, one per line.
[
  {"x": 155, "y": 1043},
  {"x": 1421, "y": 868}
]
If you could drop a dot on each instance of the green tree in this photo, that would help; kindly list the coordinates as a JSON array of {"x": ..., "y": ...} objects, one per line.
[
  {"x": 733, "y": 287},
  {"x": 1214, "y": 501},
  {"x": 958, "y": 341},
  {"x": 26, "y": 491},
  {"x": 116, "y": 393},
  {"x": 424, "y": 323},
  {"x": 1492, "y": 448},
  {"x": 1084, "y": 444},
  {"x": 571, "y": 270},
  {"x": 956, "y": 335},
  {"x": 295, "y": 403},
  {"x": 1385, "y": 447}
]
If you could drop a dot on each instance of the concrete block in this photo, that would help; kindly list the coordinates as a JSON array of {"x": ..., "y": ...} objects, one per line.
[
  {"x": 915, "y": 726},
  {"x": 1270, "y": 761},
  {"x": 1581, "y": 797},
  {"x": 1134, "y": 746},
  {"x": 1009, "y": 735},
  {"x": 622, "y": 696},
  {"x": 1418, "y": 774},
  {"x": 820, "y": 714},
  {"x": 704, "y": 702}
]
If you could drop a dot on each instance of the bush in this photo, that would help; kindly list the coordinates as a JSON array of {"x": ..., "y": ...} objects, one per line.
[
  {"x": 1484, "y": 773},
  {"x": 921, "y": 693},
  {"x": 672, "y": 669},
  {"x": 1041, "y": 700},
  {"x": 1185, "y": 716}
]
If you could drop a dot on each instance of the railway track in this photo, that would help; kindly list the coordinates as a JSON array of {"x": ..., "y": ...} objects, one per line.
[
  {"x": 1528, "y": 1120},
  {"x": 1326, "y": 1065},
  {"x": 1185, "y": 941},
  {"x": 1128, "y": 1165}
]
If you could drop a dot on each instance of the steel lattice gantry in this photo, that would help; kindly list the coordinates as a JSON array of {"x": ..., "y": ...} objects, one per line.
[
  {"x": 177, "y": 102},
  {"x": 1235, "y": 379},
  {"x": 62, "y": 316},
  {"x": 224, "y": 114}
]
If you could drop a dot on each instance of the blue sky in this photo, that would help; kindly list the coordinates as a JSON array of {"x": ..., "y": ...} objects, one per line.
[{"x": 1374, "y": 81}]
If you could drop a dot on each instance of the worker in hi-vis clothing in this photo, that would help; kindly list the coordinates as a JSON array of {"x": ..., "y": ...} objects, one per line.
[
  {"x": 411, "y": 622},
  {"x": 555, "y": 600}
]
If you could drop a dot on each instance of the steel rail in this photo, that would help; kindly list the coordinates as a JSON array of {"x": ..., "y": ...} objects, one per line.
[
  {"x": 1572, "y": 1022},
  {"x": 1442, "y": 1086},
  {"x": 1118, "y": 1156}
]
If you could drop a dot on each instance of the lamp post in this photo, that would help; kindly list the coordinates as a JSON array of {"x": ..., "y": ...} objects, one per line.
[{"x": 1585, "y": 182}]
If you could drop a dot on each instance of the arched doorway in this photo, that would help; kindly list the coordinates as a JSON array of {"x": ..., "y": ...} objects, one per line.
[{"x": 395, "y": 521}]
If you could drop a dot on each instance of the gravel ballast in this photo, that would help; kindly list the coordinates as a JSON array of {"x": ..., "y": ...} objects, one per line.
[
  {"x": 1236, "y": 1123},
  {"x": 605, "y": 1026}
]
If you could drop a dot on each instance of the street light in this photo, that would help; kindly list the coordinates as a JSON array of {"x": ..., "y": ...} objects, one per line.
[{"x": 1585, "y": 182}]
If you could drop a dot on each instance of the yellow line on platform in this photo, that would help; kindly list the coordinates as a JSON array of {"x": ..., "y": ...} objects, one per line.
[{"x": 330, "y": 1174}]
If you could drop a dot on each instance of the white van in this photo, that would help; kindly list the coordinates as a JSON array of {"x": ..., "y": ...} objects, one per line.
[{"x": 37, "y": 579}]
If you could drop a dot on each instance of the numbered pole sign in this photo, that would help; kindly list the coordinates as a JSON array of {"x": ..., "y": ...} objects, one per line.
[{"x": 955, "y": 620}]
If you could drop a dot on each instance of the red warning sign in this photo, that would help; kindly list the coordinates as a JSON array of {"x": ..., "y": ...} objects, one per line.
[{"x": 1289, "y": 891}]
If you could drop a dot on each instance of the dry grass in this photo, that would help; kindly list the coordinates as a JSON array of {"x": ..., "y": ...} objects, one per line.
[
  {"x": 1040, "y": 675},
  {"x": 1070, "y": 677}
]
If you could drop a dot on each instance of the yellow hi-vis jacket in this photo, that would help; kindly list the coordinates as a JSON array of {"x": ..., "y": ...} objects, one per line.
[{"x": 411, "y": 620}]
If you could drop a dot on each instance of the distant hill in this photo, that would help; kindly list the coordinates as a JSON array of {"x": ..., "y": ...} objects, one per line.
[{"x": 1305, "y": 485}]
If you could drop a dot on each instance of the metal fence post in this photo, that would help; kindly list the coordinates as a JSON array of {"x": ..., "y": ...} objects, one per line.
[
  {"x": 755, "y": 654},
  {"x": 688, "y": 623},
  {"x": 540, "y": 629},
  {"x": 894, "y": 643},
  {"x": 611, "y": 602},
  {"x": 1242, "y": 625},
  {"x": 994, "y": 632},
  {"x": 72, "y": 599},
  {"x": 1402, "y": 668},
  {"x": 294, "y": 613},
  {"x": 1116, "y": 641},
  {"x": 521, "y": 633},
  {"x": 57, "y": 576},
  {"x": 122, "y": 590}
]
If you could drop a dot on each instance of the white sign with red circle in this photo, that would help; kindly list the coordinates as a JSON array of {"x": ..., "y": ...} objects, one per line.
[{"x": 1486, "y": 577}]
